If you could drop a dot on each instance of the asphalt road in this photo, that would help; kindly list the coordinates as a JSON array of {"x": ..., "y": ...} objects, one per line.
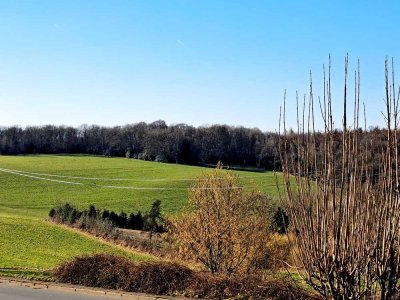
[
  {"x": 29, "y": 292},
  {"x": 14, "y": 292}
]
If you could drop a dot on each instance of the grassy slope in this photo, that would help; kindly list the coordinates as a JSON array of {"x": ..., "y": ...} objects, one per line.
[
  {"x": 27, "y": 196},
  {"x": 36, "y": 244},
  {"x": 27, "y": 241}
]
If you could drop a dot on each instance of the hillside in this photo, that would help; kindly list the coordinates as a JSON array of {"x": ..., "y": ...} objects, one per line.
[{"x": 31, "y": 185}]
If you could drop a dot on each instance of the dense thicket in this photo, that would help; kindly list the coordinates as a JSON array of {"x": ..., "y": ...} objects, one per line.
[{"x": 155, "y": 141}]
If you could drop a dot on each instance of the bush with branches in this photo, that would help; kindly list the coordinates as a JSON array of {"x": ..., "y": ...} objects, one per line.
[
  {"x": 345, "y": 213},
  {"x": 224, "y": 228}
]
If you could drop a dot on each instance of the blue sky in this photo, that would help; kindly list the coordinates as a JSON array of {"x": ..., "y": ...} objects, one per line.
[{"x": 184, "y": 61}]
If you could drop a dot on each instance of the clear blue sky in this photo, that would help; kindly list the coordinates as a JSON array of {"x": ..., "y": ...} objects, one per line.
[{"x": 198, "y": 62}]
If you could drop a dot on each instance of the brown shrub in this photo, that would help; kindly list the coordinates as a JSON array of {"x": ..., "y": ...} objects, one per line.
[
  {"x": 224, "y": 228},
  {"x": 164, "y": 278},
  {"x": 114, "y": 272},
  {"x": 244, "y": 287},
  {"x": 280, "y": 253},
  {"x": 160, "y": 278},
  {"x": 99, "y": 270}
]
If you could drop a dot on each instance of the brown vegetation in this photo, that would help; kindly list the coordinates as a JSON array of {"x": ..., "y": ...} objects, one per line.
[
  {"x": 345, "y": 213},
  {"x": 225, "y": 229},
  {"x": 164, "y": 278}
]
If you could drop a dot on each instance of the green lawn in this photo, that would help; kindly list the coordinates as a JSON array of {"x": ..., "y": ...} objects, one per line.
[
  {"x": 29, "y": 242},
  {"x": 38, "y": 244},
  {"x": 34, "y": 197}
]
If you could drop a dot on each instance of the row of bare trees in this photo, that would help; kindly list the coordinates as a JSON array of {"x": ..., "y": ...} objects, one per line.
[
  {"x": 179, "y": 143},
  {"x": 345, "y": 211}
]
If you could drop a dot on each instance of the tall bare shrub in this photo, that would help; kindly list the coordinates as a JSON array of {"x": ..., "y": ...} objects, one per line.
[
  {"x": 225, "y": 228},
  {"x": 345, "y": 217},
  {"x": 388, "y": 197}
]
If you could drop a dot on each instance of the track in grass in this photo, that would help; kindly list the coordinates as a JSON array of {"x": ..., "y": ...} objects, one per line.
[
  {"x": 25, "y": 193},
  {"x": 33, "y": 175}
]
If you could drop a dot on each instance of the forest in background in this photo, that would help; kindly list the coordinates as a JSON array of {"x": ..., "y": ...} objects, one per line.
[
  {"x": 179, "y": 143},
  {"x": 155, "y": 141}
]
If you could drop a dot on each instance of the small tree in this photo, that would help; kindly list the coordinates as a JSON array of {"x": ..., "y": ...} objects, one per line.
[
  {"x": 135, "y": 221},
  {"x": 153, "y": 220},
  {"x": 122, "y": 220},
  {"x": 224, "y": 228},
  {"x": 92, "y": 213}
]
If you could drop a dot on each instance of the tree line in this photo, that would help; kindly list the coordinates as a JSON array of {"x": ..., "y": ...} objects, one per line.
[{"x": 179, "y": 143}]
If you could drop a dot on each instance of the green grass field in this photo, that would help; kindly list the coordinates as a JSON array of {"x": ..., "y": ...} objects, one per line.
[{"x": 31, "y": 185}]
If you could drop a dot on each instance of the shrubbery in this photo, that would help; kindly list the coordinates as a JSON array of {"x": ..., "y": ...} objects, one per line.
[
  {"x": 164, "y": 278},
  {"x": 105, "y": 224},
  {"x": 225, "y": 228},
  {"x": 114, "y": 272},
  {"x": 149, "y": 221}
]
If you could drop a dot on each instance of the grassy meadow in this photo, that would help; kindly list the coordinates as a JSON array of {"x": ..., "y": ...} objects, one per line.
[{"x": 31, "y": 185}]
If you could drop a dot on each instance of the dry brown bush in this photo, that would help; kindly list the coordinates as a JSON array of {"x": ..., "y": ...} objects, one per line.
[
  {"x": 280, "y": 254},
  {"x": 99, "y": 270},
  {"x": 245, "y": 287},
  {"x": 114, "y": 272},
  {"x": 162, "y": 278},
  {"x": 225, "y": 228}
]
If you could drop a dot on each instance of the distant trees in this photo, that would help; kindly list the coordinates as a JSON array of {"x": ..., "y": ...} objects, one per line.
[{"x": 179, "y": 143}]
